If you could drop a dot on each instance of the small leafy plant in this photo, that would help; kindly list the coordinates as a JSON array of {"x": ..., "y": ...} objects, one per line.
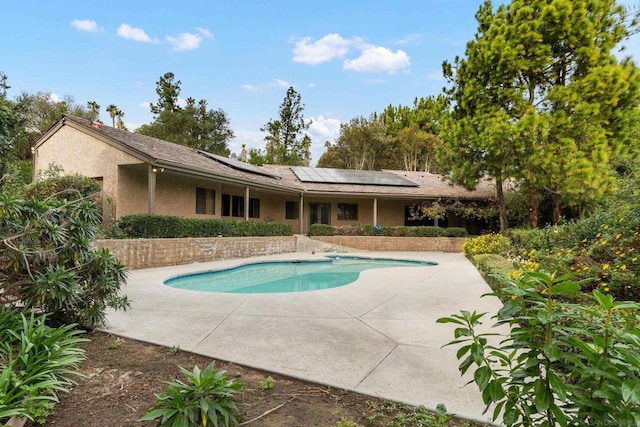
[
  {"x": 560, "y": 363},
  {"x": 206, "y": 397},
  {"x": 267, "y": 383}
]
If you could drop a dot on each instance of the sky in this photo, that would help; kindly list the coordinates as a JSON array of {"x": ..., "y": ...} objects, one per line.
[{"x": 345, "y": 58}]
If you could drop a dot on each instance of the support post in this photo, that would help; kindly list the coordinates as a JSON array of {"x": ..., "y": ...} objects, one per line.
[
  {"x": 151, "y": 184},
  {"x": 375, "y": 211},
  {"x": 301, "y": 213},
  {"x": 246, "y": 203}
]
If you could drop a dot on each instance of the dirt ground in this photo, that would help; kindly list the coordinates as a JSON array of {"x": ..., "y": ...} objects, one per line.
[{"x": 122, "y": 375}]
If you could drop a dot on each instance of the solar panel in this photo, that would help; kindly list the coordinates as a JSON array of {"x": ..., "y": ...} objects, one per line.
[
  {"x": 348, "y": 176},
  {"x": 236, "y": 164}
]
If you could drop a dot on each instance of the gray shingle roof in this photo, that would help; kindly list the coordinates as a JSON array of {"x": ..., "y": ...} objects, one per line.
[{"x": 171, "y": 155}]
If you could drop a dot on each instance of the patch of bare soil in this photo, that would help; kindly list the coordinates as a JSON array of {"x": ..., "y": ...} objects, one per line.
[{"x": 122, "y": 375}]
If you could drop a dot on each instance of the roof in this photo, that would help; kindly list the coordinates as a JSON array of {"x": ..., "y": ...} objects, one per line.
[{"x": 282, "y": 178}]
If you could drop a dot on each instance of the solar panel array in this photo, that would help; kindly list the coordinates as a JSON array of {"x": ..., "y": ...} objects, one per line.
[
  {"x": 347, "y": 176},
  {"x": 236, "y": 164}
]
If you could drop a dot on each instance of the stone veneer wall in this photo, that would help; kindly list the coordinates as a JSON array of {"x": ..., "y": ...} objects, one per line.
[
  {"x": 146, "y": 253},
  {"x": 385, "y": 243}
]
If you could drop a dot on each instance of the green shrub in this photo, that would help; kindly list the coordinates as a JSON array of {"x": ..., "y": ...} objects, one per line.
[
  {"x": 47, "y": 263},
  {"x": 38, "y": 362},
  {"x": 164, "y": 226},
  {"x": 456, "y": 232},
  {"x": 559, "y": 363},
  {"x": 426, "y": 231},
  {"x": 487, "y": 244},
  {"x": 207, "y": 398},
  {"x": 69, "y": 187},
  {"x": 321, "y": 230}
]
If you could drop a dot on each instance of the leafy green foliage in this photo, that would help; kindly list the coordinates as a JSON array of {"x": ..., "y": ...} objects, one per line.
[
  {"x": 541, "y": 98},
  {"x": 165, "y": 226},
  {"x": 559, "y": 363},
  {"x": 362, "y": 145},
  {"x": 370, "y": 230},
  {"x": 267, "y": 383},
  {"x": 68, "y": 187},
  {"x": 47, "y": 263},
  {"x": 194, "y": 125},
  {"x": 286, "y": 143},
  {"x": 206, "y": 398},
  {"x": 36, "y": 363}
]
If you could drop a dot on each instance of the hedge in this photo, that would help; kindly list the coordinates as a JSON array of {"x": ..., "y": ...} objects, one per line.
[
  {"x": 370, "y": 230},
  {"x": 165, "y": 226}
]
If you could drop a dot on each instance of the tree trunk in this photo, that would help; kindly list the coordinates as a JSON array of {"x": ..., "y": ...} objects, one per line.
[
  {"x": 557, "y": 207},
  {"x": 533, "y": 209},
  {"x": 502, "y": 204}
]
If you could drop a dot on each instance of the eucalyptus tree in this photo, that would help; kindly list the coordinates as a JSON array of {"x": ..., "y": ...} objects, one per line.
[
  {"x": 539, "y": 98},
  {"x": 286, "y": 140},
  {"x": 362, "y": 145}
]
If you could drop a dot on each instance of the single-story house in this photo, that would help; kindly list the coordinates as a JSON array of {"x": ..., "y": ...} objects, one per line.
[{"x": 139, "y": 174}]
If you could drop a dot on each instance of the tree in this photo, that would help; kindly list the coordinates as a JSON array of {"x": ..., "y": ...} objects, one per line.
[
  {"x": 418, "y": 149},
  {"x": 10, "y": 129},
  {"x": 361, "y": 146},
  {"x": 286, "y": 142},
  {"x": 538, "y": 99},
  {"x": 194, "y": 126},
  {"x": 94, "y": 110},
  {"x": 113, "y": 110}
]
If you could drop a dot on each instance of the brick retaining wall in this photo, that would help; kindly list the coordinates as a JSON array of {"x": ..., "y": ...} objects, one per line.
[
  {"x": 146, "y": 253},
  {"x": 385, "y": 243}
]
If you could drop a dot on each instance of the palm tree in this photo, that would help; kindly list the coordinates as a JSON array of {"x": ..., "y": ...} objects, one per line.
[
  {"x": 120, "y": 123},
  {"x": 112, "y": 110},
  {"x": 94, "y": 110}
]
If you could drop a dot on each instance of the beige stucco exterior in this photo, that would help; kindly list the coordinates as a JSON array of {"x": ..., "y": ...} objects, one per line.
[{"x": 78, "y": 152}]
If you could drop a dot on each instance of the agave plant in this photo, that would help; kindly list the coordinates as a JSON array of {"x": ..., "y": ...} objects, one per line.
[{"x": 206, "y": 398}]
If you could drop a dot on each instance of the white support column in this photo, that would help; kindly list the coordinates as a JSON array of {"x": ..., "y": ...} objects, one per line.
[
  {"x": 375, "y": 211},
  {"x": 151, "y": 184},
  {"x": 301, "y": 214},
  {"x": 246, "y": 203}
]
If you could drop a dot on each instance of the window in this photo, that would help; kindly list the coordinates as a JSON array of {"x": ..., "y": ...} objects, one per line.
[
  {"x": 347, "y": 211},
  {"x": 292, "y": 210},
  {"x": 226, "y": 205},
  {"x": 254, "y": 208},
  {"x": 205, "y": 201},
  {"x": 234, "y": 206}
]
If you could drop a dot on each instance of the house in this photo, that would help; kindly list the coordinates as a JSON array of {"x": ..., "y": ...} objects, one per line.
[{"x": 139, "y": 174}]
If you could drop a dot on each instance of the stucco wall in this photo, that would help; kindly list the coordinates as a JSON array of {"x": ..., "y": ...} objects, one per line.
[
  {"x": 146, "y": 253},
  {"x": 385, "y": 243},
  {"x": 80, "y": 153}
]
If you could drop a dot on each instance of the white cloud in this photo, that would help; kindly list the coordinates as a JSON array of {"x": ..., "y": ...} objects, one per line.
[
  {"x": 411, "y": 38},
  {"x": 189, "y": 41},
  {"x": 327, "y": 48},
  {"x": 145, "y": 104},
  {"x": 185, "y": 41},
  {"x": 322, "y": 129},
  {"x": 54, "y": 97},
  {"x": 379, "y": 59},
  {"x": 126, "y": 31},
  {"x": 275, "y": 83},
  {"x": 311, "y": 85},
  {"x": 85, "y": 25},
  {"x": 204, "y": 32}
]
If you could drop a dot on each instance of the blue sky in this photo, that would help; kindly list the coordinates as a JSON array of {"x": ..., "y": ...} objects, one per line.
[{"x": 345, "y": 58}]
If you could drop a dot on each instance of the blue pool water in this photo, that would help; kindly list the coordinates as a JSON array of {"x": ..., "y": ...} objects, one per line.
[{"x": 286, "y": 276}]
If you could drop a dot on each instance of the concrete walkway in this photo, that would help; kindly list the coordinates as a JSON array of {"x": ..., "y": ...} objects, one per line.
[{"x": 377, "y": 336}]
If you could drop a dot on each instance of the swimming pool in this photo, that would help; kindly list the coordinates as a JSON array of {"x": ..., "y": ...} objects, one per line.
[{"x": 287, "y": 276}]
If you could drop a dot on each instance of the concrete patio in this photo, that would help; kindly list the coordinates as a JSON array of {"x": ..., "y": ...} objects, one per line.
[{"x": 377, "y": 336}]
